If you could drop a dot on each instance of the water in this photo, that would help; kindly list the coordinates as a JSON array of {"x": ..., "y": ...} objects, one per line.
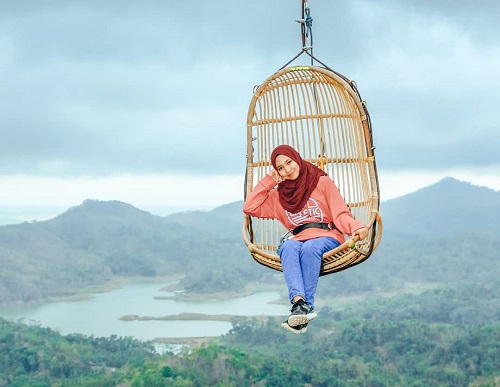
[{"x": 100, "y": 315}]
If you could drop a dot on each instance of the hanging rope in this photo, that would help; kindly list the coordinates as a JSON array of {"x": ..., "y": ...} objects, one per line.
[
  {"x": 306, "y": 24},
  {"x": 306, "y": 33},
  {"x": 306, "y": 29},
  {"x": 309, "y": 23}
]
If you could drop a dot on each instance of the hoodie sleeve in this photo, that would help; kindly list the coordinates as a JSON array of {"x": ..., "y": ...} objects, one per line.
[{"x": 261, "y": 202}]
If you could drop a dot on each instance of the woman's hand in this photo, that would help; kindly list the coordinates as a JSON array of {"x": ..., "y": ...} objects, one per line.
[
  {"x": 361, "y": 232},
  {"x": 275, "y": 175}
]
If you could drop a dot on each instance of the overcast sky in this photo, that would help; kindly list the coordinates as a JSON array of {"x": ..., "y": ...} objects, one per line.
[{"x": 146, "y": 101}]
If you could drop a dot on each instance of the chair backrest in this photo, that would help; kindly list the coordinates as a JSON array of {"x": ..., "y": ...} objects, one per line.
[{"x": 320, "y": 114}]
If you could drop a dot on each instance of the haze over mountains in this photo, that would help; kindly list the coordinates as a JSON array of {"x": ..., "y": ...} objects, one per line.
[{"x": 442, "y": 234}]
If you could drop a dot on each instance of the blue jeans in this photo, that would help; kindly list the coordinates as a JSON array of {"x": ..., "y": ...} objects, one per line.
[{"x": 301, "y": 262}]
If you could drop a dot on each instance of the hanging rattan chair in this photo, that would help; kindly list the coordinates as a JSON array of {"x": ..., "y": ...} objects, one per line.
[{"x": 320, "y": 113}]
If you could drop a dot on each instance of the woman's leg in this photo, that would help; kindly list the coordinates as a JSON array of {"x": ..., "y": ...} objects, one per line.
[
  {"x": 311, "y": 255},
  {"x": 289, "y": 253}
]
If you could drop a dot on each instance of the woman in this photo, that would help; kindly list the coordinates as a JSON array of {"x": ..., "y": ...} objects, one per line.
[{"x": 307, "y": 202}]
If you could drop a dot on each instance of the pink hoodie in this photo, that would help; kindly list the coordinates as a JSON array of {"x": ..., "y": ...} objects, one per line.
[{"x": 325, "y": 205}]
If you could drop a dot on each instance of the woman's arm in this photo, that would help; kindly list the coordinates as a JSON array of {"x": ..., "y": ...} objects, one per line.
[{"x": 260, "y": 202}]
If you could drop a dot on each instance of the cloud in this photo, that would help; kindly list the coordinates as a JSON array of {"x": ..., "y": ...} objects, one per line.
[
  {"x": 146, "y": 189},
  {"x": 429, "y": 83},
  {"x": 123, "y": 87}
]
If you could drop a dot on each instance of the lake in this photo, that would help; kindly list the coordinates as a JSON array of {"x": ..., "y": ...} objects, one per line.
[{"x": 100, "y": 314}]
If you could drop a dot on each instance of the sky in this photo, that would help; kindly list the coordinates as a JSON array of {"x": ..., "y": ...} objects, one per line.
[{"x": 146, "y": 101}]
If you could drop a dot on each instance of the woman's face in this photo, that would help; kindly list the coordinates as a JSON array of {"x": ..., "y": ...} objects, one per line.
[{"x": 287, "y": 168}]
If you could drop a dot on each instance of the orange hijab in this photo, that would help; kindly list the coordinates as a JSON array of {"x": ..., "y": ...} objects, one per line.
[{"x": 294, "y": 194}]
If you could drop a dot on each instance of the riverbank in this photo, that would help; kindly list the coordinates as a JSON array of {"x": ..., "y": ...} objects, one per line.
[
  {"x": 191, "y": 342},
  {"x": 156, "y": 309},
  {"x": 178, "y": 293},
  {"x": 133, "y": 310},
  {"x": 171, "y": 289},
  {"x": 191, "y": 317},
  {"x": 90, "y": 291}
]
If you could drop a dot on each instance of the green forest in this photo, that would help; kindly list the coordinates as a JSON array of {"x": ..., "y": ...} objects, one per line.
[{"x": 395, "y": 341}]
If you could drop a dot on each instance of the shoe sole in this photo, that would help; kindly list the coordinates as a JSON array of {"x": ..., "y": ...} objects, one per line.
[
  {"x": 290, "y": 329},
  {"x": 297, "y": 319}
]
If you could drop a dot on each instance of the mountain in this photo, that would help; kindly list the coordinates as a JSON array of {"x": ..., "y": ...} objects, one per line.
[
  {"x": 91, "y": 243},
  {"x": 431, "y": 236},
  {"x": 220, "y": 221},
  {"x": 447, "y": 208}
]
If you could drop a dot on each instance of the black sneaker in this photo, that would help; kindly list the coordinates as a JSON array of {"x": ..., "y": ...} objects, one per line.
[
  {"x": 302, "y": 313},
  {"x": 301, "y": 328}
]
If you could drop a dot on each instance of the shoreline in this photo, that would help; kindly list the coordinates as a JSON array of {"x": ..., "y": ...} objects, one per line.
[
  {"x": 89, "y": 291},
  {"x": 193, "y": 317},
  {"x": 192, "y": 342},
  {"x": 170, "y": 284},
  {"x": 249, "y": 290}
]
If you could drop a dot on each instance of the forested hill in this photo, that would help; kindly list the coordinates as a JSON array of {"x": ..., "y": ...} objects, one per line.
[
  {"x": 95, "y": 241},
  {"x": 447, "y": 208}
]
